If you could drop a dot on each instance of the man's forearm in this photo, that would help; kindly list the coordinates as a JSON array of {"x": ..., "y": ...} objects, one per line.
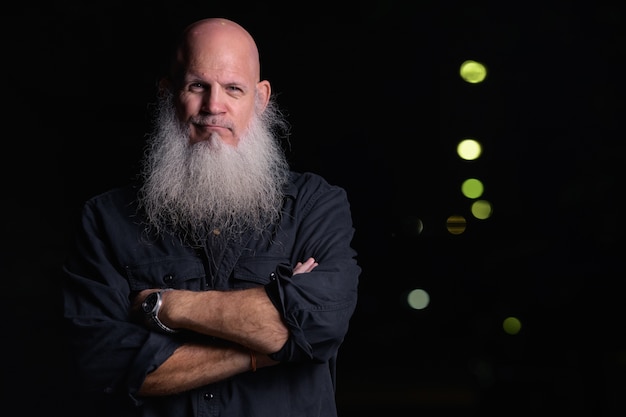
[
  {"x": 246, "y": 317},
  {"x": 194, "y": 365}
]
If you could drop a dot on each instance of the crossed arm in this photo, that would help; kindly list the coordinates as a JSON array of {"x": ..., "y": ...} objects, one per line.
[{"x": 247, "y": 318}]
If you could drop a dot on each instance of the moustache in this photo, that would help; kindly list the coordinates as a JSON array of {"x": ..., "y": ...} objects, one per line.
[{"x": 212, "y": 121}]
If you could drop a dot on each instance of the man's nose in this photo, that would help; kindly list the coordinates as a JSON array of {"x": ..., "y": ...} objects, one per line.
[{"x": 213, "y": 101}]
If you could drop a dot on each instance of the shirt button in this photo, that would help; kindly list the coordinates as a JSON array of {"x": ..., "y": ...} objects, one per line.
[
  {"x": 208, "y": 396},
  {"x": 168, "y": 278},
  {"x": 273, "y": 276}
]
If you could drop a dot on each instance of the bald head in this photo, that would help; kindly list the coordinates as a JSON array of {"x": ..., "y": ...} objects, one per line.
[{"x": 213, "y": 37}]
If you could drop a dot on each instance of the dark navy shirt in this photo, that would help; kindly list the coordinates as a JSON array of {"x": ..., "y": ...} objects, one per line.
[{"x": 113, "y": 258}]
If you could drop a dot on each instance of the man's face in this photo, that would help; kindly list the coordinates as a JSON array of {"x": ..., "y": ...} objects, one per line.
[
  {"x": 209, "y": 106},
  {"x": 219, "y": 87}
]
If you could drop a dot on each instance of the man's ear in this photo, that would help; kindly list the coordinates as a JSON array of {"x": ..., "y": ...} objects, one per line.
[{"x": 264, "y": 89}]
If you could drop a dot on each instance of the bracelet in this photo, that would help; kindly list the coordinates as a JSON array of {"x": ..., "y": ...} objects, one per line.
[{"x": 252, "y": 360}]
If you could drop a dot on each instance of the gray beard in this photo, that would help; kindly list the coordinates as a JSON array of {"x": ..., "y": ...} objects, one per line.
[{"x": 210, "y": 187}]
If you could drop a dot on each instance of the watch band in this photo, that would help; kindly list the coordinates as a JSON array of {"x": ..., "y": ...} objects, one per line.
[{"x": 153, "y": 315}]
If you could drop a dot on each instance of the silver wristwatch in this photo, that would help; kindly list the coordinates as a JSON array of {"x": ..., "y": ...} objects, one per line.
[{"x": 151, "y": 306}]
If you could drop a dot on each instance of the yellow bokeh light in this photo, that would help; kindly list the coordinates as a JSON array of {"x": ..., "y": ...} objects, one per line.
[
  {"x": 456, "y": 224},
  {"x": 469, "y": 149},
  {"x": 473, "y": 72}
]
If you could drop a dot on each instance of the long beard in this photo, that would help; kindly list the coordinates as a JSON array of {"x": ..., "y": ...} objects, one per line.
[{"x": 211, "y": 187}]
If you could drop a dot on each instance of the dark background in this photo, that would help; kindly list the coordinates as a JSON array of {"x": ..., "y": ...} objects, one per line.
[{"x": 376, "y": 106}]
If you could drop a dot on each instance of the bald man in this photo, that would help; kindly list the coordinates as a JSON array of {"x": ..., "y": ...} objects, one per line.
[{"x": 221, "y": 282}]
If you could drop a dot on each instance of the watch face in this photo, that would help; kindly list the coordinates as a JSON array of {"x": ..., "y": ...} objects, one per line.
[{"x": 150, "y": 302}]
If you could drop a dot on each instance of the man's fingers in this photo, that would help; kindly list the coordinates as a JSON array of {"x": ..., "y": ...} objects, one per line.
[{"x": 306, "y": 266}]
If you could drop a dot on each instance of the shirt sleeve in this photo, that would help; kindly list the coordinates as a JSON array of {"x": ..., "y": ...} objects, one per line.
[
  {"x": 108, "y": 351},
  {"x": 317, "y": 306}
]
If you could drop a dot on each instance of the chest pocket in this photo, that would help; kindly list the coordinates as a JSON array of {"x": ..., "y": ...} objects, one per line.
[
  {"x": 255, "y": 270},
  {"x": 180, "y": 273}
]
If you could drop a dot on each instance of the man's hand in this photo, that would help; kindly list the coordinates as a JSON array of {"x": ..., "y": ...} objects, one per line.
[{"x": 306, "y": 266}]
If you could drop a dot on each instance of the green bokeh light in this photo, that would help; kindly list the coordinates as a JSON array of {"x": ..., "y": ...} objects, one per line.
[
  {"x": 472, "y": 188},
  {"x": 512, "y": 325}
]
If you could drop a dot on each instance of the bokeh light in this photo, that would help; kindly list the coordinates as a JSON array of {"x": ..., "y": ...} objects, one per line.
[
  {"x": 469, "y": 149},
  {"x": 481, "y": 209},
  {"x": 512, "y": 325},
  {"x": 418, "y": 299},
  {"x": 456, "y": 224},
  {"x": 472, "y": 188},
  {"x": 473, "y": 71}
]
